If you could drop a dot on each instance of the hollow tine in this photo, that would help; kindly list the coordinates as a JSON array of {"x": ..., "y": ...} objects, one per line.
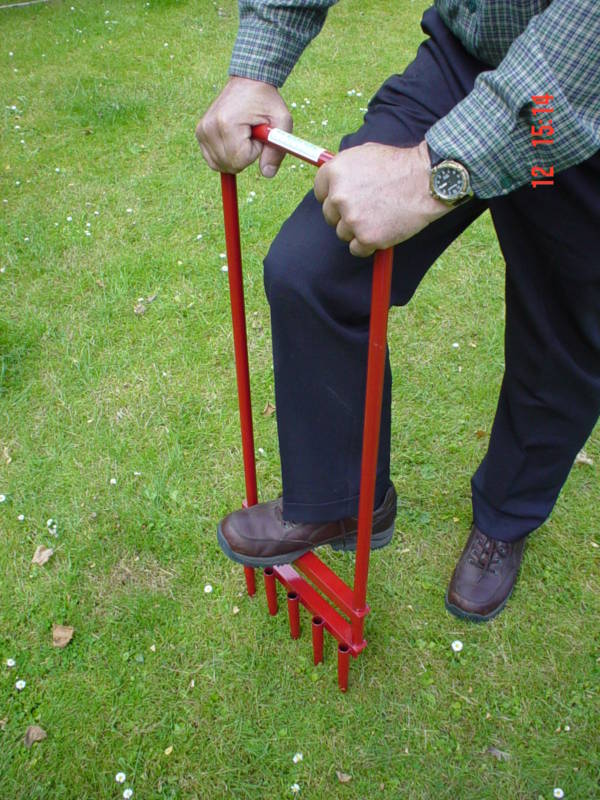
[
  {"x": 271, "y": 590},
  {"x": 294, "y": 614},
  {"x": 317, "y": 639},
  {"x": 250, "y": 581},
  {"x": 343, "y": 665}
]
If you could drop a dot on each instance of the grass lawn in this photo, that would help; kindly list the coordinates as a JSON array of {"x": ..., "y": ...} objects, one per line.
[{"x": 123, "y": 428}]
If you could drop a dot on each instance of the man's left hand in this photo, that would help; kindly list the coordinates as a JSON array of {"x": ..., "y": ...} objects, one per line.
[{"x": 377, "y": 196}]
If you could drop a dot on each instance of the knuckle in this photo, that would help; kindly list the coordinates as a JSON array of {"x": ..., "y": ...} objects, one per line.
[
  {"x": 222, "y": 121},
  {"x": 200, "y": 131}
]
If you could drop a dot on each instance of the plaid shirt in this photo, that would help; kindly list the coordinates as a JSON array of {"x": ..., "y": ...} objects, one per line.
[{"x": 535, "y": 47}]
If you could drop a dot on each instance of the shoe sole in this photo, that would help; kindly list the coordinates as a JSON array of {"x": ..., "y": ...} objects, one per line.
[
  {"x": 344, "y": 543},
  {"x": 458, "y": 612}
]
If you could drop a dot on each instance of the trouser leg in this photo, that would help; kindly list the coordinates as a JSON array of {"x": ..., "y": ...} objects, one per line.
[
  {"x": 320, "y": 299},
  {"x": 550, "y": 396}
]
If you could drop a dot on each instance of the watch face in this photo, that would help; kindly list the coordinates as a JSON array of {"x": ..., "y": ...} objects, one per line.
[{"x": 449, "y": 182}]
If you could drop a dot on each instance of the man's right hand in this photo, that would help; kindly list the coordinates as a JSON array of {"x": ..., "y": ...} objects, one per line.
[{"x": 224, "y": 130}]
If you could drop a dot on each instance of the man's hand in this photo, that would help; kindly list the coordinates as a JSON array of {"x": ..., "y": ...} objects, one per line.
[
  {"x": 377, "y": 196},
  {"x": 224, "y": 131}
]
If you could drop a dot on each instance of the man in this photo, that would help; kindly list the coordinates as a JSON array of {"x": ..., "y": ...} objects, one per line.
[{"x": 502, "y": 93}]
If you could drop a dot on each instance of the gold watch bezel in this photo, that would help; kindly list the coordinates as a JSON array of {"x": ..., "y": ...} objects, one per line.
[{"x": 466, "y": 191}]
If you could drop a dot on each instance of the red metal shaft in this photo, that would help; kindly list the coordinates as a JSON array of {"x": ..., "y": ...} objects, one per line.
[
  {"x": 240, "y": 343},
  {"x": 380, "y": 302}
]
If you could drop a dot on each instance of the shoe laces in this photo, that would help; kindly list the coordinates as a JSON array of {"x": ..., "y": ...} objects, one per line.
[
  {"x": 287, "y": 524},
  {"x": 487, "y": 554}
]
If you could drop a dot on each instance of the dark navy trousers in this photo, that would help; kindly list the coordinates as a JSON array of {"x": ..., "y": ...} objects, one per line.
[{"x": 319, "y": 295}]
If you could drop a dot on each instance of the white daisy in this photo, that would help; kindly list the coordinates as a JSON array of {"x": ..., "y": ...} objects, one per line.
[
  {"x": 2, "y": 498},
  {"x": 10, "y": 663},
  {"x": 20, "y": 685},
  {"x": 127, "y": 794},
  {"x": 120, "y": 777},
  {"x": 21, "y": 517},
  {"x": 295, "y": 787},
  {"x": 297, "y": 757},
  {"x": 558, "y": 793},
  {"x": 113, "y": 481},
  {"x": 208, "y": 589},
  {"x": 457, "y": 645}
]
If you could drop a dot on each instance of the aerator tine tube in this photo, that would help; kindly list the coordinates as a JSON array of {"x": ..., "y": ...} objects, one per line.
[
  {"x": 317, "y": 639},
  {"x": 343, "y": 666},
  {"x": 294, "y": 614},
  {"x": 270, "y": 590}
]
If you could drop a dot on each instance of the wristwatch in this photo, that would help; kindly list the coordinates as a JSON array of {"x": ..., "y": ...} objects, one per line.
[{"x": 449, "y": 180}]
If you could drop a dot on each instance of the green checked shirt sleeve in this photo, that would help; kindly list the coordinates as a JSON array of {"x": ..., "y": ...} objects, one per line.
[
  {"x": 272, "y": 36},
  {"x": 489, "y": 132}
]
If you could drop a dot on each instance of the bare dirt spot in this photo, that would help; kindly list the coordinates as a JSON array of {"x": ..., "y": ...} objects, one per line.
[{"x": 132, "y": 573}]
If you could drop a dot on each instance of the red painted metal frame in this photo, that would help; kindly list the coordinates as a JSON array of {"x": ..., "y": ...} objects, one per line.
[{"x": 332, "y": 604}]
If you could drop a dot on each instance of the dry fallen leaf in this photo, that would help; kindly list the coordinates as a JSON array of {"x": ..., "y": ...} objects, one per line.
[
  {"x": 33, "y": 734},
  {"x": 41, "y": 555},
  {"x": 501, "y": 755},
  {"x": 6, "y": 455},
  {"x": 62, "y": 635},
  {"x": 480, "y": 434},
  {"x": 139, "y": 308},
  {"x": 269, "y": 410},
  {"x": 583, "y": 458},
  {"x": 169, "y": 750},
  {"x": 152, "y": 298},
  {"x": 3, "y": 723},
  {"x": 100, "y": 283},
  {"x": 343, "y": 777}
]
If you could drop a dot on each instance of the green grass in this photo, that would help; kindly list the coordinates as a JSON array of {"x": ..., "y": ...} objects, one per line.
[{"x": 90, "y": 391}]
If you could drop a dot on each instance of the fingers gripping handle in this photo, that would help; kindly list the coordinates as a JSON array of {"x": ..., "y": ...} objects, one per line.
[{"x": 291, "y": 144}]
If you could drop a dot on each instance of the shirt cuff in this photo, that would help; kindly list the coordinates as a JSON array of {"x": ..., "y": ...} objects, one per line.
[
  {"x": 481, "y": 132},
  {"x": 265, "y": 52}
]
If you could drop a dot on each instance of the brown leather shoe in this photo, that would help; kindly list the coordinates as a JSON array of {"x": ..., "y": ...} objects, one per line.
[
  {"x": 259, "y": 536},
  {"x": 484, "y": 577}
]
